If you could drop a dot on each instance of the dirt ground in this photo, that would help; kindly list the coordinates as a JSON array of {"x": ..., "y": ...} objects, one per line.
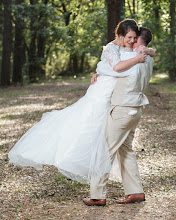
[{"x": 30, "y": 194}]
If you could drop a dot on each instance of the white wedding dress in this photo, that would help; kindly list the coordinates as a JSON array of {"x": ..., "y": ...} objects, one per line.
[{"x": 72, "y": 139}]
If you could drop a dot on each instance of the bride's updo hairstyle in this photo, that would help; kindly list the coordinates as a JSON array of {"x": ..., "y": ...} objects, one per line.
[{"x": 125, "y": 26}]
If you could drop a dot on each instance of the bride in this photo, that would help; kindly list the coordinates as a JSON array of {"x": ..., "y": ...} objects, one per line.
[{"x": 73, "y": 139}]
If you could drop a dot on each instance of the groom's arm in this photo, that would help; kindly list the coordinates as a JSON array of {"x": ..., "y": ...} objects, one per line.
[{"x": 148, "y": 65}]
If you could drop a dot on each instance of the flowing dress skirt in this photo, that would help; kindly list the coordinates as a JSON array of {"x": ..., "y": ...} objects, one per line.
[{"x": 72, "y": 139}]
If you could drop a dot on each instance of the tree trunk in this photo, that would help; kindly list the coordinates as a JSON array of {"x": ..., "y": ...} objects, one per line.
[
  {"x": 1, "y": 32},
  {"x": 75, "y": 63},
  {"x": 41, "y": 56},
  {"x": 32, "y": 59},
  {"x": 157, "y": 23},
  {"x": 134, "y": 8},
  {"x": 18, "y": 54},
  {"x": 32, "y": 47},
  {"x": 81, "y": 69},
  {"x": 172, "y": 69},
  {"x": 70, "y": 67},
  {"x": 41, "y": 44},
  {"x": 7, "y": 41},
  {"x": 114, "y": 12},
  {"x": 1, "y": 16}
]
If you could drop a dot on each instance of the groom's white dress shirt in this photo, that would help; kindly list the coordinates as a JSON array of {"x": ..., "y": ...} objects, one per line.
[{"x": 133, "y": 81}]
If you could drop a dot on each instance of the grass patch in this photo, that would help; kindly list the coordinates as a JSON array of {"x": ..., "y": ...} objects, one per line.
[
  {"x": 165, "y": 85},
  {"x": 77, "y": 78},
  {"x": 30, "y": 194},
  {"x": 159, "y": 78},
  {"x": 11, "y": 94}
]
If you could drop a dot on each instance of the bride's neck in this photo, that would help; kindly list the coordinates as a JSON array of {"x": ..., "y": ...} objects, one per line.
[{"x": 117, "y": 42}]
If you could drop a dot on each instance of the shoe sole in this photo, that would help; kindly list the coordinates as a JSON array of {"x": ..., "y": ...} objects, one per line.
[
  {"x": 142, "y": 200},
  {"x": 138, "y": 201},
  {"x": 95, "y": 204}
]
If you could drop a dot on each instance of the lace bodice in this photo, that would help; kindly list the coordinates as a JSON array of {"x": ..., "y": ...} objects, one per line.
[{"x": 111, "y": 53}]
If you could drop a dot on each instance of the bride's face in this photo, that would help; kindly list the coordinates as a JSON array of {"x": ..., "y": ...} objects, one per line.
[{"x": 129, "y": 39}]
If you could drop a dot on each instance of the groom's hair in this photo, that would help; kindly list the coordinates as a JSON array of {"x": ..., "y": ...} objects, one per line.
[{"x": 146, "y": 35}]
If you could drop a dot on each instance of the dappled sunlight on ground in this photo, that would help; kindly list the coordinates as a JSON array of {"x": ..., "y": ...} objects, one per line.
[{"x": 30, "y": 194}]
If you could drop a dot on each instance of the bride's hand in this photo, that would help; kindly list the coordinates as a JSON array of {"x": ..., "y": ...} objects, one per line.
[
  {"x": 94, "y": 78},
  {"x": 141, "y": 57}
]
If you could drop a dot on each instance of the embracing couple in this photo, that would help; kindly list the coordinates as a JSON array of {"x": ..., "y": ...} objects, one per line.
[{"x": 91, "y": 140}]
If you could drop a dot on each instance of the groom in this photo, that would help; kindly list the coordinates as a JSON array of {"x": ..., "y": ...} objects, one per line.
[{"x": 127, "y": 102}]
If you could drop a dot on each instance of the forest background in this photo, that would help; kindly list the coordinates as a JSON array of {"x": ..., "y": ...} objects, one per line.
[
  {"x": 51, "y": 47},
  {"x": 41, "y": 39}
]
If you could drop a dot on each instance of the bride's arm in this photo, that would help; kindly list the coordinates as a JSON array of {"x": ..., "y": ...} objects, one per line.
[
  {"x": 104, "y": 69},
  {"x": 111, "y": 63},
  {"x": 126, "y": 64},
  {"x": 140, "y": 58}
]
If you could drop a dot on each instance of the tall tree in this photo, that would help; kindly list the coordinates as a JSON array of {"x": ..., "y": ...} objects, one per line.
[
  {"x": 1, "y": 16},
  {"x": 32, "y": 56},
  {"x": 115, "y": 13},
  {"x": 70, "y": 11},
  {"x": 41, "y": 39},
  {"x": 18, "y": 54},
  {"x": 69, "y": 17},
  {"x": 157, "y": 23},
  {"x": 172, "y": 69},
  {"x": 1, "y": 30},
  {"x": 7, "y": 41},
  {"x": 132, "y": 9}
]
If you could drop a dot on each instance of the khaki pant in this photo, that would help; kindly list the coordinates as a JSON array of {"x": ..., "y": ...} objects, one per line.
[{"x": 120, "y": 129}]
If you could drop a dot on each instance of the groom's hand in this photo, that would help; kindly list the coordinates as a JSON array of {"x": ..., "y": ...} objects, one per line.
[
  {"x": 146, "y": 50},
  {"x": 142, "y": 49},
  {"x": 94, "y": 78},
  {"x": 140, "y": 57}
]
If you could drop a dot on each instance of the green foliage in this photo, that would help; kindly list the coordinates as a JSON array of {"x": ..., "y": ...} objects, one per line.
[
  {"x": 67, "y": 35},
  {"x": 84, "y": 33},
  {"x": 69, "y": 29},
  {"x": 155, "y": 15}
]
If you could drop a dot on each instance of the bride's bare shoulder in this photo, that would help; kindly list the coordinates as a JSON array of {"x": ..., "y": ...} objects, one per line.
[
  {"x": 111, "y": 43},
  {"x": 114, "y": 42}
]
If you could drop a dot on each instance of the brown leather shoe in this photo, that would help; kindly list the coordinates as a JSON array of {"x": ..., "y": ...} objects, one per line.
[
  {"x": 96, "y": 202},
  {"x": 132, "y": 198}
]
